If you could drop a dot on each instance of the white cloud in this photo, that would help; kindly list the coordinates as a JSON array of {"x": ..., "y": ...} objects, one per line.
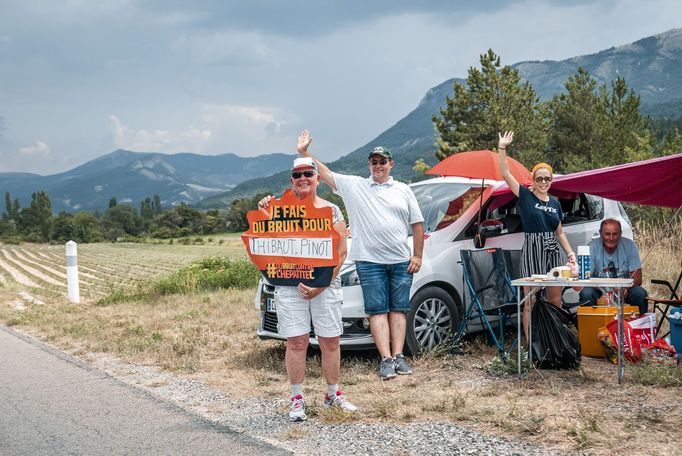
[
  {"x": 249, "y": 130},
  {"x": 37, "y": 150},
  {"x": 190, "y": 140},
  {"x": 265, "y": 120}
]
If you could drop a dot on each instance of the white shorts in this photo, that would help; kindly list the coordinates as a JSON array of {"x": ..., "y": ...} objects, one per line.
[{"x": 294, "y": 312}]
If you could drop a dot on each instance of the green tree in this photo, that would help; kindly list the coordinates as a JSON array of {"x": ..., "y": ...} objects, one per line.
[
  {"x": 493, "y": 100},
  {"x": 113, "y": 202},
  {"x": 671, "y": 144},
  {"x": 120, "y": 220},
  {"x": 87, "y": 228},
  {"x": 236, "y": 216},
  {"x": 146, "y": 209},
  {"x": 157, "y": 205},
  {"x": 82, "y": 227},
  {"x": 628, "y": 137},
  {"x": 64, "y": 228},
  {"x": 12, "y": 209},
  {"x": 578, "y": 117},
  {"x": 16, "y": 209},
  {"x": 8, "y": 207},
  {"x": 36, "y": 220},
  {"x": 180, "y": 221},
  {"x": 595, "y": 126}
]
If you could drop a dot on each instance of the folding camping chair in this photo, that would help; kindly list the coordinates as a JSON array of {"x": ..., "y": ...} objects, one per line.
[
  {"x": 488, "y": 274},
  {"x": 663, "y": 305}
]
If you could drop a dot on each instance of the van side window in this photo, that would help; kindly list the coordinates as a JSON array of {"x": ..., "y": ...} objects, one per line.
[
  {"x": 500, "y": 210},
  {"x": 596, "y": 205},
  {"x": 581, "y": 208}
]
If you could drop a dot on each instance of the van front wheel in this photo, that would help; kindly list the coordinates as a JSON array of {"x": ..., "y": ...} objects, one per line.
[{"x": 432, "y": 320}]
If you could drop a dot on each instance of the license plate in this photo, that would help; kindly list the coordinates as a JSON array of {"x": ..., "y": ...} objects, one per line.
[{"x": 270, "y": 305}]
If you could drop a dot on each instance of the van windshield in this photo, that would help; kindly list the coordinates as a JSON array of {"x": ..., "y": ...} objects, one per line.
[{"x": 443, "y": 203}]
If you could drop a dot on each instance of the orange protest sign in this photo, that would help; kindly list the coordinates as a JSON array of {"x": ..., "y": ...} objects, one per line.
[{"x": 293, "y": 242}]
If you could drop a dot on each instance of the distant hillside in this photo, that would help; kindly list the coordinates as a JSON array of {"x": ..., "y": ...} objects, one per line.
[
  {"x": 409, "y": 139},
  {"x": 134, "y": 176},
  {"x": 650, "y": 66}
]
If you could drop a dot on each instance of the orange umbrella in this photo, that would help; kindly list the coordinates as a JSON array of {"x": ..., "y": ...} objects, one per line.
[{"x": 480, "y": 164}]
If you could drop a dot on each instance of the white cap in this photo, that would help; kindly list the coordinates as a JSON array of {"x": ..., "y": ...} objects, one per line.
[
  {"x": 304, "y": 162},
  {"x": 583, "y": 250}
]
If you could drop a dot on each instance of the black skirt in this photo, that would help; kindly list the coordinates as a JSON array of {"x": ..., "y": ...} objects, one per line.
[{"x": 541, "y": 252}]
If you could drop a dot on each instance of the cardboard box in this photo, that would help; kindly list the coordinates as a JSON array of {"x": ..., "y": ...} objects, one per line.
[{"x": 590, "y": 319}]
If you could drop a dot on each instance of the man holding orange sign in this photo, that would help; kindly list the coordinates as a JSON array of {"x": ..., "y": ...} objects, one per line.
[{"x": 298, "y": 305}]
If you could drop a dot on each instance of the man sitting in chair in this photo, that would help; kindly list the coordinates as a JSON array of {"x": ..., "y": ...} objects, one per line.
[{"x": 614, "y": 256}]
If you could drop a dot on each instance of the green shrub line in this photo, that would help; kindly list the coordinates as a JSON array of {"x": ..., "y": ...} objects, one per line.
[{"x": 207, "y": 274}]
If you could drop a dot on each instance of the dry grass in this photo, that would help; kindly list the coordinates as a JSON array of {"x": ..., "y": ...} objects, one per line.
[
  {"x": 661, "y": 252},
  {"x": 211, "y": 336}
]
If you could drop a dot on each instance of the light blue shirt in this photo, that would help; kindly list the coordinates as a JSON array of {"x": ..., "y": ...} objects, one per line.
[{"x": 625, "y": 259}]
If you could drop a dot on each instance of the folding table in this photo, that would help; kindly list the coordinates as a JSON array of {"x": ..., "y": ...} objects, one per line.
[{"x": 616, "y": 285}]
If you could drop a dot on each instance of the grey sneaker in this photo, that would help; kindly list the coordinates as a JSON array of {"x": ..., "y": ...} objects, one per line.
[
  {"x": 401, "y": 366},
  {"x": 387, "y": 368},
  {"x": 340, "y": 401},
  {"x": 297, "y": 409}
]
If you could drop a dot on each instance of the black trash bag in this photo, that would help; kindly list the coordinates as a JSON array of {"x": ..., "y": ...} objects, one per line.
[{"x": 555, "y": 345}]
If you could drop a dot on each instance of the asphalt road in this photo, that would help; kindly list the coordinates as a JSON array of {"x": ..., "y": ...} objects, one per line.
[{"x": 53, "y": 404}]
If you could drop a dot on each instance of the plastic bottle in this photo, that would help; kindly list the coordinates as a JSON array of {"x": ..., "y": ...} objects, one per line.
[{"x": 584, "y": 266}]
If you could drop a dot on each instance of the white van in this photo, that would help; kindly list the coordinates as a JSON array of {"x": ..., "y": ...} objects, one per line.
[{"x": 451, "y": 206}]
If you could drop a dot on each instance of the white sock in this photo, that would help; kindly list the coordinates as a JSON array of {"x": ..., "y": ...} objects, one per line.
[
  {"x": 332, "y": 389},
  {"x": 296, "y": 389}
]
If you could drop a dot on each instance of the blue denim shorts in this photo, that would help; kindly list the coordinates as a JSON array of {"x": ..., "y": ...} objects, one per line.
[{"x": 385, "y": 287}]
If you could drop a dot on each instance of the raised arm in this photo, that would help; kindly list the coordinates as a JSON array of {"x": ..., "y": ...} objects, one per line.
[
  {"x": 502, "y": 144},
  {"x": 304, "y": 140}
]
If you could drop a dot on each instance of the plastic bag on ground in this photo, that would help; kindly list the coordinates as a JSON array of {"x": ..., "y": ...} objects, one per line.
[
  {"x": 555, "y": 344},
  {"x": 637, "y": 333}
]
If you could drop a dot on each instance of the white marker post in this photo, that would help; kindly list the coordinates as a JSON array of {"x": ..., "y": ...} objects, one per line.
[{"x": 72, "y": 272}]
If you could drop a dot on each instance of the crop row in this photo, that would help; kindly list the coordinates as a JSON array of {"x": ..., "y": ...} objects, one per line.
[{"x": 102, "y": 268}]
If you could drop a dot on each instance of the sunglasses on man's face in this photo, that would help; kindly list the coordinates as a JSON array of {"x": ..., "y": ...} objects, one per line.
[
  {"x": 298, "y": 174},
  {"x": 382, "y": 162},
  {"x": 541, "y": 179}
]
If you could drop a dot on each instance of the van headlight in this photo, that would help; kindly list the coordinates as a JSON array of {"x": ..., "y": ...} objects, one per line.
[{"x": 350, "y": 278}]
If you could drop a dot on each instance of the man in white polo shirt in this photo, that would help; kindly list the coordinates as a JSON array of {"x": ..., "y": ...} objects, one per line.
[{"x": 381, "y": 212}]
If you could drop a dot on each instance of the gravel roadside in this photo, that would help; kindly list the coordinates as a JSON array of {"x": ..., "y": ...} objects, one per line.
[{"x": 263, "y": 419}]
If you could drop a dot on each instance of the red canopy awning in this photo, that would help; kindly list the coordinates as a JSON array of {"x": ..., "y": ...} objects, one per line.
[{"x": 654, "y": 182}]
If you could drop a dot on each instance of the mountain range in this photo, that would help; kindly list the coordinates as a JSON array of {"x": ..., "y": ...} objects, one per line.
[
  {"x": 133, "y": 176},
  {"x": 651, "y": 66}
]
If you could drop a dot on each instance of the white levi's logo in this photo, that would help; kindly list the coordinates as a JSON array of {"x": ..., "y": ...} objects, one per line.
[{"x": 545, "y": 208}]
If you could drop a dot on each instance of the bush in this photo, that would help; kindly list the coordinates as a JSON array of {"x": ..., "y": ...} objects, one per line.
[{"x": 211, "y": 273}]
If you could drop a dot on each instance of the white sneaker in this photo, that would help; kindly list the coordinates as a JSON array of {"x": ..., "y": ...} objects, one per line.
[
  {"x": 340, "y": 401},
  {"x": 297, "y": 409}
]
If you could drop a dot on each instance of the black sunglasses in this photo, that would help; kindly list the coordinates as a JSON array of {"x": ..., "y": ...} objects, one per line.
[
  {"x": 298, "y": 174},
  {"x": 383, "y": 161},
  {"x": 539, "y": 179}
]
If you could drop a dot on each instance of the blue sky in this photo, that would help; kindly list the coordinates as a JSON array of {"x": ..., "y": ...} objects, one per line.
[{"x": 79, "y": 79}]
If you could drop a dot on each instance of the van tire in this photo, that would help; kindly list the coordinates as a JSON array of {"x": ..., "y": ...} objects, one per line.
[{"x": 432, "y": 320}]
